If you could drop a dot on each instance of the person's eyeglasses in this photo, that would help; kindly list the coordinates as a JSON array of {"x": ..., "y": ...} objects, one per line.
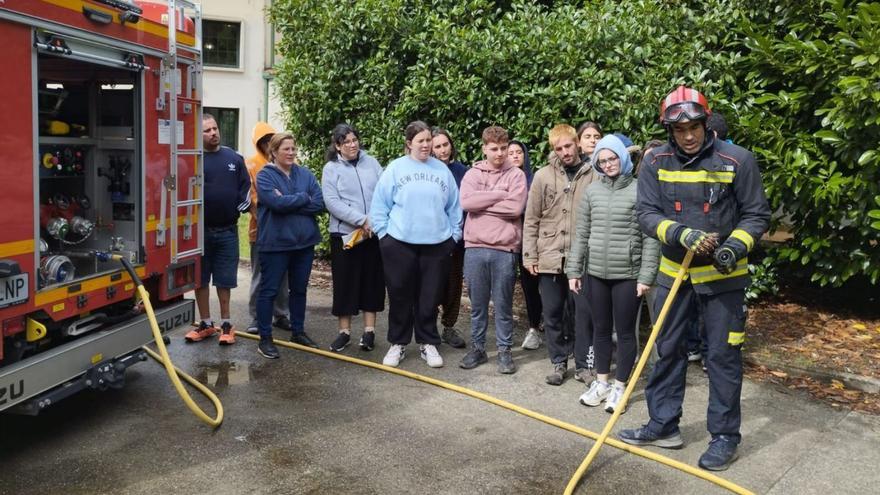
[
  {"x": 351, "y": 141},
  {"x": 606, "y": 161}
]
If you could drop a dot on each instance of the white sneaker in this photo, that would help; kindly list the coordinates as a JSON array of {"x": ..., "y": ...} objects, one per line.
[
  {"x": 594, "y": 395},
  {"x": 532, "y": 340},
  {"x": 431, "y": 356},
  {"x": 394, "y": 355},
  {"x": 614, "y": 398}
]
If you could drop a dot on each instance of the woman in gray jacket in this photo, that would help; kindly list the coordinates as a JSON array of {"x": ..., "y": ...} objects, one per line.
[
  {"x": 347, "y": 183},
  {"x": 621, "y": 263}
]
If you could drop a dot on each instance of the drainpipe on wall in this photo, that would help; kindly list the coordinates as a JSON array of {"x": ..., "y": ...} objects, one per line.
[{"x": 268, "y": 72}]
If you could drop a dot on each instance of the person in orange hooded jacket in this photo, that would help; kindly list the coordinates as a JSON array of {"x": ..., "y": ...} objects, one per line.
[{"x": 262, "y": 133}]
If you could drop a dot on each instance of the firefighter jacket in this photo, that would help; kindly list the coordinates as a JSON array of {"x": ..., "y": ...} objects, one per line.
[
  {"x": 551, "y": 215},
  {"x": 717, "y": 190}
]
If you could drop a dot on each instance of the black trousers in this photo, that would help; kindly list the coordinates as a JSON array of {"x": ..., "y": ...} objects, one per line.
[
  {"x": 725, "y": 317},
  {"x": 562, "y": 339},
  {"x": 450, "y": 305},
  {"x": 614, "y": 304},
  {"x": 531, "y": 294},
  {"x": 415, "y": 275}
]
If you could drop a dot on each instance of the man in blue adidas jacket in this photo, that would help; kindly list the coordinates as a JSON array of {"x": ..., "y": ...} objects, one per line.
[{"x": 227, "y": 195}]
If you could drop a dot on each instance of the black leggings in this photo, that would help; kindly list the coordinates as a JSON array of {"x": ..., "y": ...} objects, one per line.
[
  {"x": 615, "y": 298},
  {"x": 531, "y": 294}
]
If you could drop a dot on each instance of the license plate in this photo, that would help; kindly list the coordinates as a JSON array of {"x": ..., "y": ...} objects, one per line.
[{"x": 13, "y": 290}]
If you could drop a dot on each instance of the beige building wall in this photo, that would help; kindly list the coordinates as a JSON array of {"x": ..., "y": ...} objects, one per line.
[{"x": 245, "y": 87}]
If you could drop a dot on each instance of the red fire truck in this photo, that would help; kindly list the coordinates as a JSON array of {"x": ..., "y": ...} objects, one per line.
[{"x": 100, "y": 156}]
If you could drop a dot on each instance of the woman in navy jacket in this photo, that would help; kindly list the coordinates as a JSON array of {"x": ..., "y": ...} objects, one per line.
[{"x": 289, "y": 198}]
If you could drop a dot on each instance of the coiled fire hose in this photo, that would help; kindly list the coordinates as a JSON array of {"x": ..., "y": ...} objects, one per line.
[{"x": 174, "y": 373}]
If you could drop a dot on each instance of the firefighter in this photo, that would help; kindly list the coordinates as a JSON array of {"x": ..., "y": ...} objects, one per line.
[{"x": 703, "y": 194}]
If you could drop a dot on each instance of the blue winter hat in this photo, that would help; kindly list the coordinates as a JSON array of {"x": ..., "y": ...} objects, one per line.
[
  {"x": 627, "y": 142},
  {"x": 615, "y": 144}
]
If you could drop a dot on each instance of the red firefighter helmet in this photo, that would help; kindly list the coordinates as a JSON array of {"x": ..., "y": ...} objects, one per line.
[{"x": 682, "y": 104}]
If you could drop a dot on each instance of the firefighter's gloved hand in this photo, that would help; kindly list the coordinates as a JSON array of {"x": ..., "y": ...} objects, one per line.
[
  {"x": 728, "y": 254},
  {"x": 698, "y": 241},
  {"x": 725, "y": 259}
]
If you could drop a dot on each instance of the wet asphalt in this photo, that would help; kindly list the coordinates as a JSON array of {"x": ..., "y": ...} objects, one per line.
[{"x": 306, "y": 424}]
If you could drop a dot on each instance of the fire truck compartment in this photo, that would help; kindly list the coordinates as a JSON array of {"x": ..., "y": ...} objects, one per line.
[{"x": 89, "y": 167}]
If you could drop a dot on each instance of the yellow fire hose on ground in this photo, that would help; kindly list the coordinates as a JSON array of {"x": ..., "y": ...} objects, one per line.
[
  {"x": 173, "y": 373},
  {"x": 163, "y": 358}
]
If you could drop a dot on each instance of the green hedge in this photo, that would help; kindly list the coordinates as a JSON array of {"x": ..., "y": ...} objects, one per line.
[
  {"x": 812, "y": 73},
  {"x": 797, "y": 80},
  {"x": 467, "y": 64}
]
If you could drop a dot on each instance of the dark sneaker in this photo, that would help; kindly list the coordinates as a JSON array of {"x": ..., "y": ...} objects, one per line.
[
  {"x": 694, "y": 356},
  {"x": 303, "y": 339},
  {"x": 282, "y": 322},
  {"x": 452, "y": 338},
  {"x": 720, "y": 454},
  {"x": 506, "y": 365},
  {"x": 585, "y": 375},
  {"x": 473, "y": 358},
  {"x": 340, "y": 343},
  {"x": 558, "y": 376},
  {"x": 227, "y": 334},
  {"x": 368, "y": 340},
  {"x": 643, "y": 436},
  {"x": 253, "y": 328},
  {"x": 267, "y": 349}
]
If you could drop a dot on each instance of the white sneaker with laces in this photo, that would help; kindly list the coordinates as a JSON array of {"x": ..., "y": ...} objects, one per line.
[
  {"x": 614, "y": 398},
  {"x": 431, "y": 356},
  {"x": 532, "y": 340},
  {"x": 394, "y": 356},
  {"x": 594, "y": 395}
]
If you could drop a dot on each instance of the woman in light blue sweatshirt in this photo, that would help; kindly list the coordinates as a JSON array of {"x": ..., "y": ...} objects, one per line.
[{"x": 416, "y": 215}]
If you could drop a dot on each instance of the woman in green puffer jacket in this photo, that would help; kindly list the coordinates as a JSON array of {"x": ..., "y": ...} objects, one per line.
[{"x": 621, "y": 263}]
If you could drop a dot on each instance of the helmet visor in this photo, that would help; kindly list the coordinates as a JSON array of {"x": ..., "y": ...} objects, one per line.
[{"x": 686, "y": 110}]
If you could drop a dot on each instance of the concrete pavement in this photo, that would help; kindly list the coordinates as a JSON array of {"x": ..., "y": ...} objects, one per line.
[{"x": 312, "y": 425}]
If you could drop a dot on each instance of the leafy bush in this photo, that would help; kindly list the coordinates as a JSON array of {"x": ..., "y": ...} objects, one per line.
[
  {"x": 467, "y": 64},
  {"x": 765, "y": 279},
  {"x": 796, "y": 78},
  {"x": 811, "y": 114}
]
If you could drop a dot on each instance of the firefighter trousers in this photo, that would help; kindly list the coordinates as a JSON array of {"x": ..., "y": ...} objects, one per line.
[{"x": 724, "y": 315}]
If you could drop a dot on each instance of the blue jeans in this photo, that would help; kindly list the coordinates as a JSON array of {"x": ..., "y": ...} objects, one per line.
[
  {"x": 297, "y": 263},
  {"x": 221, "y": 257},
  {"x": 490, "y": 274}
]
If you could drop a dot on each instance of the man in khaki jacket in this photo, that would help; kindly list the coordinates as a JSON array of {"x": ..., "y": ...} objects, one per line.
[{"x": 550, "y": 221}]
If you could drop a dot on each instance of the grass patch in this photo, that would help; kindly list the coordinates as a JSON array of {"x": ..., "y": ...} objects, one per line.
[{"x": 244, "y": 243}]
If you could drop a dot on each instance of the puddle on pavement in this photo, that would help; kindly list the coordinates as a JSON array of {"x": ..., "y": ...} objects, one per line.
[{"x": 224, "y": 373}]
